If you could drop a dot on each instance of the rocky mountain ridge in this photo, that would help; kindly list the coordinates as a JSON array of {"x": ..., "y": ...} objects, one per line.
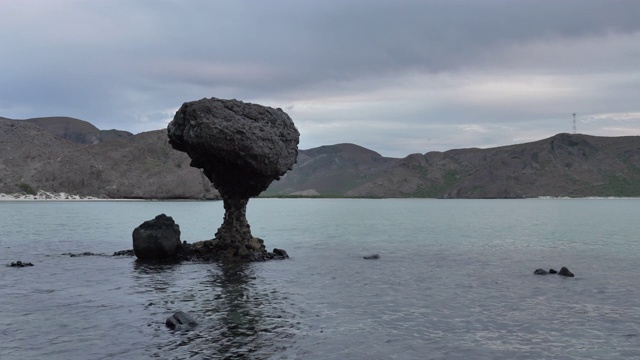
[
  {"x": 67, "y": 155},
  {"x": 138, "y": 166},
  {"x": 564, "y": 165}
]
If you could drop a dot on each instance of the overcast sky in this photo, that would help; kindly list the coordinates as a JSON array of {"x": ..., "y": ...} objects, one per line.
[{"x": 397, "y": 77}]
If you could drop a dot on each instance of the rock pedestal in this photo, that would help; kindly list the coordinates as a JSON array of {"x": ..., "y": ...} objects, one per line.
[
  {"x": 241, "y": 148},
  {"x": 157, "y": 239}
]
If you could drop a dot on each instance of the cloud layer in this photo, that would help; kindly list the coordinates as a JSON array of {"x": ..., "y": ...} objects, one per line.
[{"x": 396, "y": 76}]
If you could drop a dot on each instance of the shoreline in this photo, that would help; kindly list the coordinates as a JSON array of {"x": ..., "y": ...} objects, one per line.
[
  {"x": 44, "y": 196},
  {"x": 47, "y": 196}
]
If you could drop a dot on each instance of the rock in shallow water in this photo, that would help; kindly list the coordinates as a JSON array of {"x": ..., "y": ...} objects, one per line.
[
  {"x": 157, "y": 239},
  {"x": 565, "y": 272},
  {"x": 180, "y": 321},
  {"x": 20, "y": 264},
  {"x": 124, "y": 253},
  {"x": 280, "y": 253}
]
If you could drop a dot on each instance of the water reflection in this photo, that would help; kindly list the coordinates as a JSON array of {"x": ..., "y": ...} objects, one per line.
[
  {"x": 240, "y": 314},
  {"x": 154, "y": 277},
  {"x": 252, "y": 318}
]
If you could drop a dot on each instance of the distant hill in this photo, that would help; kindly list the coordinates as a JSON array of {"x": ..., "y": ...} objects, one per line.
[
  {"x": 564, "y": 165},
  {"x": 71, "y": 155},
  {"x": 137, "y": 166},
  {"x": 331, "y": 171},
  {"x": 78, "y": 131}
]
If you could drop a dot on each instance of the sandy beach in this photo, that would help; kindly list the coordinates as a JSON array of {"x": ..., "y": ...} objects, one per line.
[{"x": 47, "y": 196}]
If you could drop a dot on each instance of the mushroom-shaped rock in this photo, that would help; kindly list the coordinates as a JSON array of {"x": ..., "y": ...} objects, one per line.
[
  {"x": 241, "y": 148},
  {"x": 157, "y": 239}
]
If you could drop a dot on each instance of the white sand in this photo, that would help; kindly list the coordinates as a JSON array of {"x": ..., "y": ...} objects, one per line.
[{"x": 43, "y": 196}]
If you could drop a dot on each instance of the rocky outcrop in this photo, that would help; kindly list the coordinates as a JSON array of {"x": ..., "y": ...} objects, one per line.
[
  {"x": 241, "y": 148},
  {"x": 157, "y": 239}
]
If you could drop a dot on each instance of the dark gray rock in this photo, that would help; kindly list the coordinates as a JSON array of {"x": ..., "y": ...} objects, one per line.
[
  {"x": 565, "y": 272},
  {"x": 180, "y": 321},
  {"x": 20, "y": 264},
  {"x": 86, "y": 253},
  {"x": 280, "y": 253},
  {"x": 124, "y": 253},
  {"x": 553, "y": 271},
  {"x": 540, "y": 272},
  {"x": 241, "y": 148},
  {"x": 157, "y": 239},
  {"x": 371, "y": 257}
]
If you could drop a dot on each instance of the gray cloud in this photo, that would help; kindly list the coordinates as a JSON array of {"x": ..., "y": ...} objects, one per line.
[{"x": 395, "y": 76}]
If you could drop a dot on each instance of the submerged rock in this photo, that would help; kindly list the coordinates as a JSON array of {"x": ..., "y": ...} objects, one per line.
[
  {"x": 241, "y": 148},
  {"x": 180, "y": 321},
  {"x": 20, "y": 264},
  {"x": 124, "y": 253},
  {"x": 371, "y": 257},
  {"x": 565, "y": 272},
  {"x": 157, "y": 239},
  {"x": 86, "y": 253},
  {"x": 540, "y": 272}
]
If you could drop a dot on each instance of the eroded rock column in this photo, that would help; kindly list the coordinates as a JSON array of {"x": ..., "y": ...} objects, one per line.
[
  {"x": 235, "y": 228},
  {"x": 241, "y": 148}
]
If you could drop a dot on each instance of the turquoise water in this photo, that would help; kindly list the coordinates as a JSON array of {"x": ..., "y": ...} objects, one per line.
[{"x": 454, "y": 281}]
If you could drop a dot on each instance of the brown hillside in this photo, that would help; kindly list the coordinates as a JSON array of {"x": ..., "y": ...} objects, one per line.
[
  {"x": 78, "y": 131},
  {"x": 140, "y": 166}
]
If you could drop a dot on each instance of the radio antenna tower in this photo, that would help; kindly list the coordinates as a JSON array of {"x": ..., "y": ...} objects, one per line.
[{"x": 574, "y": 123}]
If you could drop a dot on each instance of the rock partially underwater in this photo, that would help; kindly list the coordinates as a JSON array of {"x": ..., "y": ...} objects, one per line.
[
  {"x": 180, "y": 321},
  {"x": 157, "y": 239},
  {"x": 20, "y": 264},
  {"x": 563, "y": 272}
]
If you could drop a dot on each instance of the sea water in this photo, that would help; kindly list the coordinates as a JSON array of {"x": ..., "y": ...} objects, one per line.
[{"x": 454, "y": 281}]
